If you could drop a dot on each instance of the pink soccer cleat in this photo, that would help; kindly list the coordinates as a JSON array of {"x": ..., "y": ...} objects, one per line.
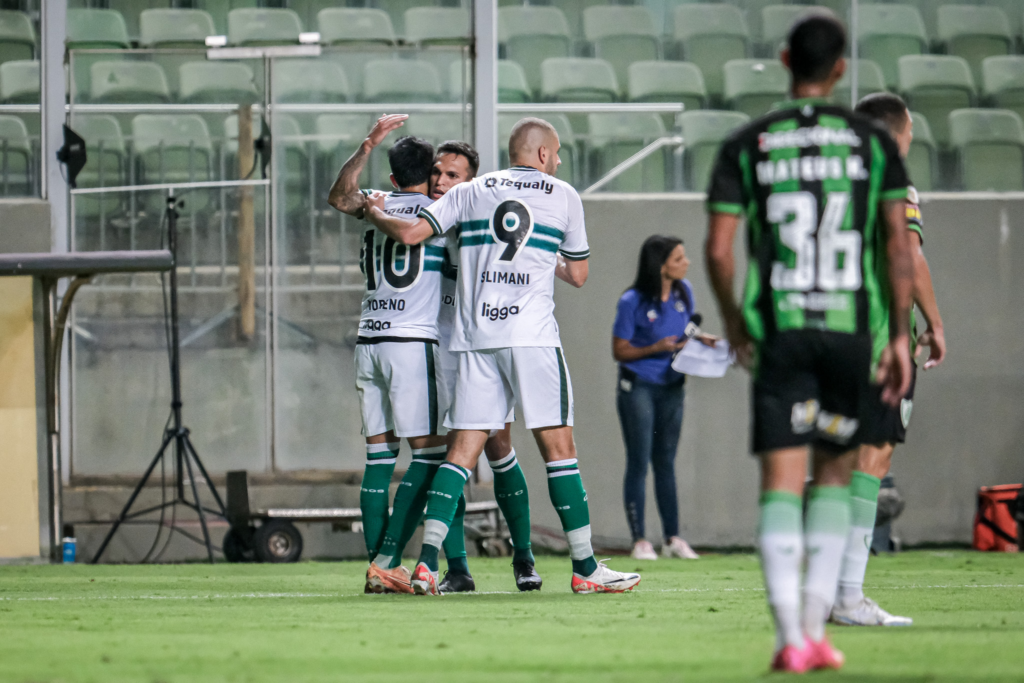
[
  {"x": 793, "y": 659},
  {"x": 424, "y": 581},
  {"x": 825, "y": 656}
]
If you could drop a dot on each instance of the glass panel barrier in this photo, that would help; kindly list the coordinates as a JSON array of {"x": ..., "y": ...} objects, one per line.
[{"x": 19, "y": 99}]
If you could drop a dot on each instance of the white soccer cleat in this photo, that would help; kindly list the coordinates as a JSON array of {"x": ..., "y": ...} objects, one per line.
[
  {"x": 866, "y": 613},
  {"x": 677, "y": 547},
  {"x": 643, "y": 550},
  {"x": 604, "y": 580}
]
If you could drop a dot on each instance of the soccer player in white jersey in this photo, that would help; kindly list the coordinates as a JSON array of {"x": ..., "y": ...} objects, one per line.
[{"x": 518, "y": 229}]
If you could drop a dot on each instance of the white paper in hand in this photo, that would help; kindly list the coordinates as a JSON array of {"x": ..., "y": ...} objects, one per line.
[{"x": 700, "y": 360}]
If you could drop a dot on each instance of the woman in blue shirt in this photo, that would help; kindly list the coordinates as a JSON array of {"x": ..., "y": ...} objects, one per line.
[{"x": 649, "y": 328}]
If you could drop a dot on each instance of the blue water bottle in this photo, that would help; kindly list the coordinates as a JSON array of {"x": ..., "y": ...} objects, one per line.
[{"x": 70, "y": 544}]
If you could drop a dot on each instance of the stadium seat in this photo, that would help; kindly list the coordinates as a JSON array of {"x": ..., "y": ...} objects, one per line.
[
  {"x": 218, "y": 82},
  {"x": 569, "y": 154},
  {"x": 990, "y": 149},
  {"x": 107, "y": 164},
  {"x": 1014, "y": 13},
  {"x": 667, "y": 82},
  {"x": 532, "y": 34},
  {"x": 974, "y": 33},
  {"x": 703, "y": 134},
  {"x": 19, "y": 82},
  {"x": 396, "y": 9},
  {"x": 129, "y": 83},
  {"x": 512, "y": 85},
  {"x": 888, "y": 32},
  {"x": 776, "y": 20},
  {"x": 171, "y": 28},
  {"x": 753, "y": 86},
  {"x": 253, "y": 26},
  {"x": 929, "y": 10},
  {"x": 870, "y": 79},
  {"x": 616, "y": 137},
  {"x": 92, "y": 29},
  {"x": 578, "y": 79},
  {"x": 401, "y": 80},
  {"x": 295, "y": 81},
  {"x": 574, "y": 10},
  {"x": 439, "y": 26},
  {"x": 369, "y": 30},
  {"x": 621, "y": 35},
  {"x": 17, "y": 37},
  {"x": 936, "y": 85},
  {"x": 921, "y": 161},
  {"x": 172, "y": 148},
  {"x": 16, "y": 179},
  {"x": 1002, "y": 82},
  {"x": 709, "y": 36}
]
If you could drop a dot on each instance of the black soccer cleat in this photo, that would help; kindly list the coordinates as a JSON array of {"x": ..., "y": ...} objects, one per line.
[
  {"x": 527, "y": 578},
  {"x": 457, "y": 583}
]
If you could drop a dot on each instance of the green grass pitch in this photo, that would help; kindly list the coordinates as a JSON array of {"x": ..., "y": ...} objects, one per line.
[{"x": 703, "y": 620}]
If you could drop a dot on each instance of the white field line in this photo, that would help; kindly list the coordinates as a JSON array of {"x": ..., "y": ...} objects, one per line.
[{"x": 279, "y": 596}]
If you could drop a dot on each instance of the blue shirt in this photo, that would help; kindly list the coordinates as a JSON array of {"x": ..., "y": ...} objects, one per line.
[{"x": 642, "y": 322}]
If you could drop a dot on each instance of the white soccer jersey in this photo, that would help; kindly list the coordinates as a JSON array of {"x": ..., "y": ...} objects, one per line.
[
  {"x": 510, "y": 226},
  {"x": 403, "y": 284}
]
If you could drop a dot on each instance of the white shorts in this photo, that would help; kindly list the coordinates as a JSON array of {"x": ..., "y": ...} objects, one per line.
[
  {"x": 398, "y": 388},
  {"x": 490, "y": 383}
]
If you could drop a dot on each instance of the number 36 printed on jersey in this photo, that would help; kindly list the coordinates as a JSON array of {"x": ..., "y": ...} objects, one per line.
[{"x": 827, "y": 257}]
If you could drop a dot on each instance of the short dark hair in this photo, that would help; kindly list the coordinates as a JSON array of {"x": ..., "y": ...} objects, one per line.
[
  {"x": 816, "y": 43},
  {"x": 463, "y": 148},
  {"x": 885, "y": 109},
  {"x": 653, "y": 254},
  {"x": 411, "y": 160}
]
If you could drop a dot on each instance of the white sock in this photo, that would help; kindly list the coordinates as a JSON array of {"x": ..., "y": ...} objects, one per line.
[
  {"x": 827, "y": 528},
  {"x": 434, "y": 532},
  {"x": 863, "y": 508},
  {"x": 383, "y": 561},
  {"x": 780, "y": 539}
]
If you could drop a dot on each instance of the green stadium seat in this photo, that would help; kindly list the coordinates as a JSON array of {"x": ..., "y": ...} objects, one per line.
[
  {"x": 929, "y": 10},
  {"x": 107, "y": 164},
  {"x": 569, "y": 154},
  {"x": 512, "y": 85},
  {"x": 401, "y": 80},
  {"x": 129, "y": 83},
  {"x": 921, "y": 161},
  {"x": 974, "y": 33},
  {"x": 754, "y": 86},
  {"x": 616, "y": 137},
  {"x": 175, "y": 28},
  {"x": 777, "y": 20},
  {"x": 219, "y": 82},
  {"x": 1002, "y": 82},
  {"x": 369, "y": 30},
  {"x": 16, "y": 177},
  {"x": 709, "y": 36},
  {"x": 396, "y": 9},
  {"x": 219, "y": 9},
  {"x": 19, "y": 82},
  {"x": 574, "y": 11},
  {"x": 578, "y": 79},
  {"x": 17, "y": 37},
  {"x": 621, "y": 35},
  {"x": 92, "y": 29},
  {"x": 888, "y": 32},
  {"x": 870, "y": 79},
  {"x": 172, "y": 148},
  {"x": 439, "y": 26},
  {"x": 703, "y": 134},
  {"x": 460, "y": 80},
  {"x": 935, "y": 85},
  {"x": 667, "y": 82},
  {"x": 532, "y": 34},
  {"x": 990, "y": 149},
  {"x": 296, "y": 80},
  {"x": 257, "y": 26},
  {"x": 1014, "y": 13}
]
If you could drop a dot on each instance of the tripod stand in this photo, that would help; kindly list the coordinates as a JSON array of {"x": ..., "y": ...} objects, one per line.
[{"x": 177, "y": 434}]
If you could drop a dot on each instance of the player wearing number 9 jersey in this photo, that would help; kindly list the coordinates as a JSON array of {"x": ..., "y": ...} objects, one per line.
[{"x": 823, "y": 191}]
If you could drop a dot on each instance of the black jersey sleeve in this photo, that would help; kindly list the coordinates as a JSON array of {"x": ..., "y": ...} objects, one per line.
[
  {"x": 895, "y": 181},
  {"x": 725, "y": 191}
]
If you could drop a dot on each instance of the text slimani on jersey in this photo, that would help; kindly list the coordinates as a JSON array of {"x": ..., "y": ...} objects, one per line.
[
  {"x": 502, "y": 278},
  {"x": 519, "y": 184},
  {"x": 811, "y": 169}
]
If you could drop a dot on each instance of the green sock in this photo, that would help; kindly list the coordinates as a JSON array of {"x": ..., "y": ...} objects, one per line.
[
  {"x": 410, "y": 499},
  {"x": 570, "y": 500},
  {"x": 514, "y": 500},
  {"x": 442, "y": 503},
  {"x": 454, "y": 543},
  {"x": 373, "y": 493}
]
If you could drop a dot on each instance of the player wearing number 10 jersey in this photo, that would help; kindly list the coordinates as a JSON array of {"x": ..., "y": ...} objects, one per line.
[{"x": 823, "y": 193}]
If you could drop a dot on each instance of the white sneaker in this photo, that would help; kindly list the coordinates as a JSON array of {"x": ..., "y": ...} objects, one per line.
[
  {"x": 677, "y": 547},
  {"x": 643, "y": 550},
  {"x": 866, "y": 613},
  {"x": 605, "y": 580}
]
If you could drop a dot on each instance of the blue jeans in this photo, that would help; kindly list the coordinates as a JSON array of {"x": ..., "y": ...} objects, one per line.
[{"x": 651, "y": 416}]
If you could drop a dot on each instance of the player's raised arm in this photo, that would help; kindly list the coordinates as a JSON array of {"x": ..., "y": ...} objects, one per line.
[{"x": 345, "y": 195}]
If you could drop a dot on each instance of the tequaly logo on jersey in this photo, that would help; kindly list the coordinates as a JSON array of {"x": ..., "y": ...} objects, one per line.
[{"x": 519, "y": 184}]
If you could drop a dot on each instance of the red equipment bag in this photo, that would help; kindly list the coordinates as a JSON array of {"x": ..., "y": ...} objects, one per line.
[{"x": 995, "y": 527}]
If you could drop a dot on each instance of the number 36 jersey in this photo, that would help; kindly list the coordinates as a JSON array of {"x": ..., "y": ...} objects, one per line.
[
  {"x": 809, "y": 178},
  {"x": 403, "y": 284},
  {"x": 511, "y": 225}
]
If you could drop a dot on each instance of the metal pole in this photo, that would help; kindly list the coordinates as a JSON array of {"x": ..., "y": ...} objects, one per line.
[
  {"x": 485, "y": 105},
  {"x": 246, "y": 229}
]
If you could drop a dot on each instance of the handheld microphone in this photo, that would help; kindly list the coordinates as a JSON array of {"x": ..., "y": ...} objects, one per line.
[{"x": 692, "y": 328}]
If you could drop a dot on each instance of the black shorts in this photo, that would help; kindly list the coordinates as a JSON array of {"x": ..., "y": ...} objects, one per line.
[
  {"x": 813, "y": 388},
  {"x": 888, "y": 424}
]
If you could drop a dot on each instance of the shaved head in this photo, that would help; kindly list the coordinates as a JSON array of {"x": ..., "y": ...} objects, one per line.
[{"x": 534, "y": 142}]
